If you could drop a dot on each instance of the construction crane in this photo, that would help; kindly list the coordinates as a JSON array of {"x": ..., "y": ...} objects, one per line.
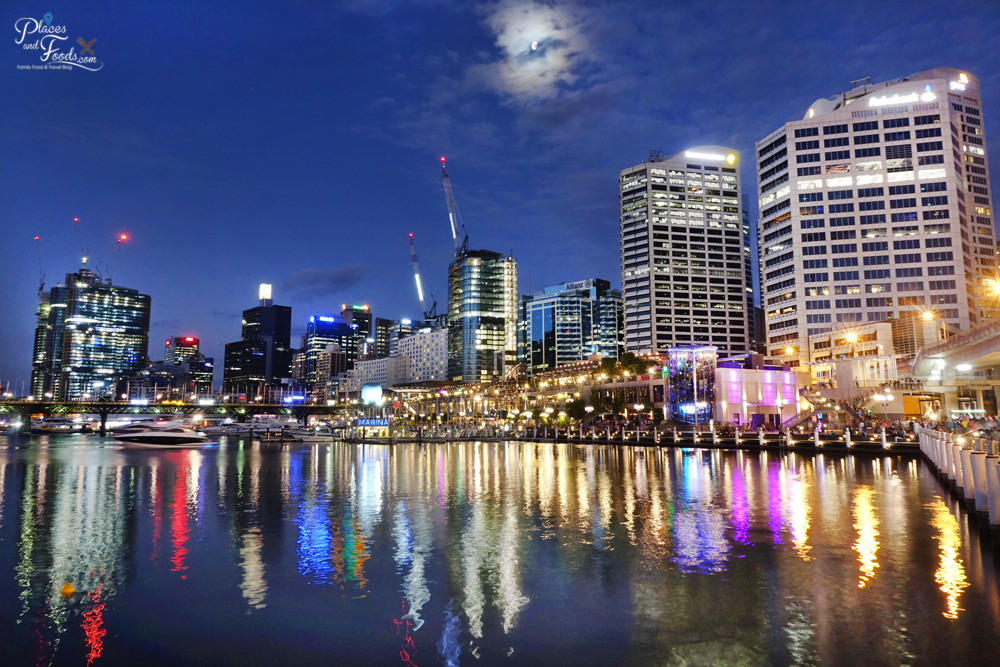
[
  {"x": 458, "y": 233},
  {"x": 41, "y": 273},
  {"x": 428, "y": 314},
  {"x": 79, "y": 237}
]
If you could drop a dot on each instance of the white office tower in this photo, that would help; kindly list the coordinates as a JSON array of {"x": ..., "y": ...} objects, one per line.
[
  {"x": 875, "y": 207},
  {"x": 682, "y": 240}
]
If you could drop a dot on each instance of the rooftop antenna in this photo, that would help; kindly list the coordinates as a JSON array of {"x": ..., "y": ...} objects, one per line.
[
  {"x": 655, "y": 155},
  {"x": 857, "y": 83},
  {"x": 41, "y": 273},
  {"x": 79, "y": 237}
]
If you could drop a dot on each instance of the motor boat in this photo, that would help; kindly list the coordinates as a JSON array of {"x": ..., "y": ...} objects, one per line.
[
  {"x": 160, "y": 434},
  {"x": 55, "y": 426},
  {"x": 314, "y": 434}
]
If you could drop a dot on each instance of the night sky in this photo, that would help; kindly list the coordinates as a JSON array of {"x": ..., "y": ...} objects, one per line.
[{"x": 297, "y": 144}]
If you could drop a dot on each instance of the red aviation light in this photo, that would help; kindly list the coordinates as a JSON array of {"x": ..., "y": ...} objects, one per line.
[
  {"x": 37, "y": 238},
  {"x": 411, "y": 235},
  {"x": 189, "y": 339},
  {"x": 442, "y": 159}
]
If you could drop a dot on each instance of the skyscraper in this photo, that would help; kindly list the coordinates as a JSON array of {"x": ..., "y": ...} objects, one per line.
[
  {"x": 322, "y": 331},
  {"x": 263, "y": 356},
  {"x": 179, "y": 348},
  {"x": 482, "y": 315},
  {"x": 682, "y": 252},
  {"x": 569, "y": 322},
  {"x": 874, "y": 207},
  {"x": 89, "y": 335}
]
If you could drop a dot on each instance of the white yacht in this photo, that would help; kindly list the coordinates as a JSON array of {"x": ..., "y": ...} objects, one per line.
[
  {"x": 160, "y": 434},
  {"x": 56, "y": 425}
]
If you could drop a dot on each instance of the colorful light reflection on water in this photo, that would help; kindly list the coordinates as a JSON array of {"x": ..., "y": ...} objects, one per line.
[{"x": 484, "y": 554}]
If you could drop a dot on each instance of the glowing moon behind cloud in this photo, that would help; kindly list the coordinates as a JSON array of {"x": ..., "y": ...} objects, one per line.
[{"x": 534, "y": 45}]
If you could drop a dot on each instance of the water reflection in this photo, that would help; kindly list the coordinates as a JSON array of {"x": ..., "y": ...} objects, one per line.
[{"x": 451, "y": 551}]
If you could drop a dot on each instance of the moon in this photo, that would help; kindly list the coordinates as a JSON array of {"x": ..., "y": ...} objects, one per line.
[{"x": 534, "y": 45}]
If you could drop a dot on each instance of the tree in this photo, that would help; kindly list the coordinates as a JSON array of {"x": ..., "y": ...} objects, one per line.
[
  {"x": 633, "y": 364},
  {"x": 608, "y": 366},
  {"x": 575, "y": 410}
]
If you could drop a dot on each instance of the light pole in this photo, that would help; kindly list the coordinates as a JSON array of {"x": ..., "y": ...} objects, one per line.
[
  {"x": 884, "y": 399},
  {"x": 638, "y": 412}
]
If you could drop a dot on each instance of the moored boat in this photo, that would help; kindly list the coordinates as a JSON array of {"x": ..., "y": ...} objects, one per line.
[
  {"x": 55, "y": 426},
  {"x": 160, "y": 434}
]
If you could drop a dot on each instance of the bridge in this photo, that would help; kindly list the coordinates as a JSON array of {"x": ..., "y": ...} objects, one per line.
[{"x": 238, "y": 411}]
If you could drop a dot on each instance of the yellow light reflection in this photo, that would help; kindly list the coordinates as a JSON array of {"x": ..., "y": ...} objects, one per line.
[
  {"x": 866, "y": 523},
  {"x": 950, "y": 575}
]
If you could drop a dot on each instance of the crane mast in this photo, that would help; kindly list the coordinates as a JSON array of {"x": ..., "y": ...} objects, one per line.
[
  {"x": 458, "y": 233},
  {"x": 416, "y": 275}
]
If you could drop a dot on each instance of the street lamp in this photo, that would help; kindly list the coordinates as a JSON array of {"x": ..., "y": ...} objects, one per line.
[
  {"x": 885, "y": 399},
  {"x": 852, "y": 338}
]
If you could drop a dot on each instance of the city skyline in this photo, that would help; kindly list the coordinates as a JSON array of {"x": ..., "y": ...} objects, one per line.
[{"x": 211, "y": 181}]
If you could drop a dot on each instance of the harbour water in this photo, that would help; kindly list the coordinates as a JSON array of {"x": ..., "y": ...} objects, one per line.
[{"x": 242, "y": 553}]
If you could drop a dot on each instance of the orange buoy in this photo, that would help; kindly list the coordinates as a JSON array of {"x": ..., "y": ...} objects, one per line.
[{"x": 67, "y": 589}]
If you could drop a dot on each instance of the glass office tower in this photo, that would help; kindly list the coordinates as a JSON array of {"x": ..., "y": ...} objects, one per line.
[
  {"x": 263, "y": 357},
  {"x": 89, "y": 335},
  {"x": 482, "y": 315}
]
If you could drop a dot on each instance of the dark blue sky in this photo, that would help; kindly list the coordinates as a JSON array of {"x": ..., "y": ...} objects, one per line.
[{"x": 298, "y": 144}]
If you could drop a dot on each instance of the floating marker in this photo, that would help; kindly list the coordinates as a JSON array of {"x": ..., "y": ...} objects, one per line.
[
  {"x": 48, "y": 18},
  {"x": 67, "y": 589}
]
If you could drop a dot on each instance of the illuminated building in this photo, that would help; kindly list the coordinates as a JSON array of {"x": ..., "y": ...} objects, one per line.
[
  {"x": 873, "y": 207},
  {"x": 330, "y": 362},
  {"x": 322, "y": 331},
  {"x": 398, "y": 330},
  {"x": 683, "y": 252},
  {"x": 94, "y": 335},
  {"x": 263, "y": 357},
  {"x": 364, "y": 328},
  {"x": 482, "y": 315},
  {"x": 382, "y": 329},
  {"x": 426, "y": 356},
  {"x": 692, "y": 383},
  {"x": 192, "y": 375},
  {"x": 179, "y": 348},
  {"x": 569, "y": 322}
]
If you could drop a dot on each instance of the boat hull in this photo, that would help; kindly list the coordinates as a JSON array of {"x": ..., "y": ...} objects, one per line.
[{"x": 160, "y": 441}]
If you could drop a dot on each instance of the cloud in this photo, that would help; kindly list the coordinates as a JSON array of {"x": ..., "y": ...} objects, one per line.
[
  {"x": 542, "y": 49},
  {"x": 324, "y": 282}
]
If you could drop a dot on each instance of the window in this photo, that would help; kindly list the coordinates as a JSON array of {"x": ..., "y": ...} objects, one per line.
[
  {"x": 806, "y": 145},
  {"x": 901, "y": 189},
  {"x": 942, "y": 228},
  {"x": 874, "y": 205},
  {"x": 940, "y": 256},
  {"x": 810, "y": 224},
  {"x": 939, "y": 200},
  {"x": 942, "y": 242},
  {"x": 818, "y": 305},
  {"x": 867, "y": 125},
  {"x": 876, "y": 274},
  {"x": 837, "y": 141},
  {"x": 874, "y": 233},
  {"x": 930, "y": 146},
  {"x": 842, "y": 222},
  {"x": 879, "y": 302},
  {"x": 813, "y": 237},
  {"x": 838, "y": 155},
  {"x": 902, "y": 203},
  {"x": 807, "y": 132},
  {"x": 867, "y": 152},
  {"x": 911, "y": 300},
  {"x": 811, "y": 196},
  {"x": 871, "y": 192},
  {"x": 927, "y": 120},
  {"x": 814, "y": 250},
  {"x": 930, "y": 159},
  {"x": 874, "y": 246},
  {"x": 933, "y": 187},
  {"x": 844, "y": 234},
  {"x": 944, "y": 298},
  {"x": 908, "y": 244},
  {"x": 913, "y": 258},
  {"x": 877, "y": 219},
  {"x": 897, "y": 136},
  {"x": 875, "y": 260},
  {"x": 925, "y": 134},
  {"x": 810, "y": 171},
  {"x": 940, "y": 270},
  {"x": 848, "y": 303},
  {"x": 841, "y": 208},
  {"x": 904, "y": 217},
  {"x": 912, "y": 272},
  {"x": 936, "y": 285},
  {"x": 936, "y": 215},
  {"x": 816, "y": 277},
  {"x": 913, "y": 286},
  {"x": 806, "y": 158},
  {"x": 840, "y": 194},
  {"x": 814, "y": 264},
  {"x": 845, "y": 247},
  {"x": 818, "y": 210},
  {"x": 896, "y": 122},
  {"x": 863, "y": 139},
  {"x": 906, "y": 230},
  {"x": 844, "y": 275},
  {"x": 835, "y": 129},
  {"x": 840, "y": 262}
]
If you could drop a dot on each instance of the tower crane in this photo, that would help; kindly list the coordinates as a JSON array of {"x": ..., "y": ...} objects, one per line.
[
  {"x": 41, "y": 272},
  {"x": 458, "y": 233},
  {"x": 428, "y": 314}
]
